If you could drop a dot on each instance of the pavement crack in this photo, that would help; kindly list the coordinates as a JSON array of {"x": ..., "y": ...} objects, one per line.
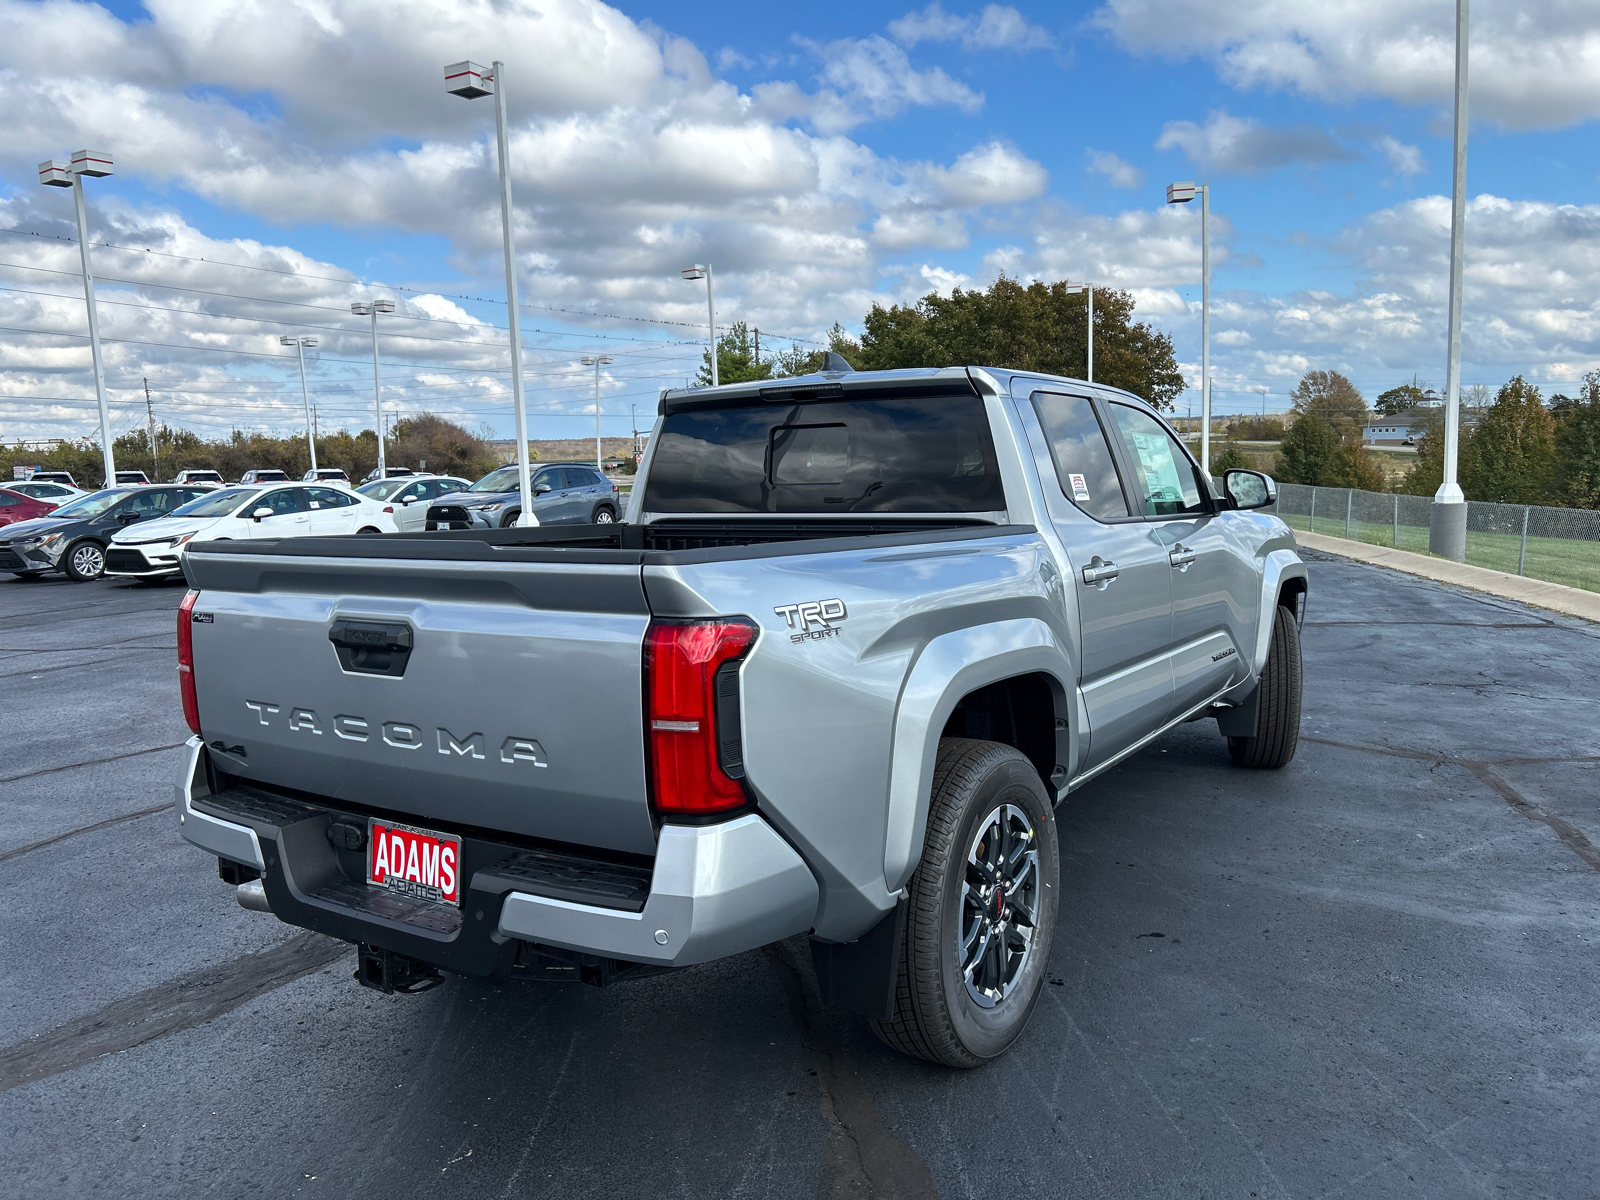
[
  {"x": 864, "y": 1159},
  {"x": 93, "y": 762},
  {"x": 72, "y": 833},
  {"x": 182, "y": 1003},
  {"x": 1484, "y": 771}
]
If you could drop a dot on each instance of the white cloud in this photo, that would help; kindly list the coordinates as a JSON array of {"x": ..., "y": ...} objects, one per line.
[
  {"x": 1534, "y": 63},
  {"x": 872, "y": 79},
  {"x": 1228, "y": 145},
  {"x": 991, "y": 174},
  {"x": 997, "y": 27},
  {"x": 1120, "y": 173},
  {"x": 1404, "y": 160}
]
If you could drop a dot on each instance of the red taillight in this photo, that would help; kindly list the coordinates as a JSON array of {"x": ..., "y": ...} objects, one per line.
[
  {"x": 389, "y": 509},
  {"x": 689, "y": 762},
  {"x": 191, "y": 704}
]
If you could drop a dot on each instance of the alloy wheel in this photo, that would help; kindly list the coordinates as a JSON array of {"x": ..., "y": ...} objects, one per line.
[
  {"x": 999, "y": 904},
  {"x": 89, "y": 560}
]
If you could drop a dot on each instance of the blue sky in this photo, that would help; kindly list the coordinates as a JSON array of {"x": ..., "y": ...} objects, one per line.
[{"x": 823, "y": 158}]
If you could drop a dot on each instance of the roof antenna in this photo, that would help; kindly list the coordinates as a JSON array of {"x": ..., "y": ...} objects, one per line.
[{"x": 832, "y": 362}]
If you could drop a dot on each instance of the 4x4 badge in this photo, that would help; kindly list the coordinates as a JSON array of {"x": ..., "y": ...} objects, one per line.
[{"x": 815, "y": 619}]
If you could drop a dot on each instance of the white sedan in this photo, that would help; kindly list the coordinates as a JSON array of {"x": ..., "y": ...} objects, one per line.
[
  {"x": 410, "y": 496},
  {"x": 151, "y": 549}
]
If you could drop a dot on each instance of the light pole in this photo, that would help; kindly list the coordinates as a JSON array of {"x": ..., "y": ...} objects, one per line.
[
  {"x": 704, "y": 272},
  {"x": 1074, "y": 289},
  {"x": 469, "y": 81},
  {"x": 97, "y": 165},
  {"x": 300, "y": 344},
  {"x": 1447, "y": 520},
  {"x": 371, "y": 308},
  {"x": 597, "y": 361},
  {"x": 1182, "y": 193}
]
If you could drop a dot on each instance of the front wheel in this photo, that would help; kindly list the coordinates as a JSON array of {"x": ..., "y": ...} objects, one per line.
[
  {"x": 509, "y": 520},
  {"x": 368, "y": 529},
  {"x": 981, "y": 912},
  {"x": 28, "y": 574},
  {"x": 1277, "y": 702},
  {"x": 84, "y": 561}
]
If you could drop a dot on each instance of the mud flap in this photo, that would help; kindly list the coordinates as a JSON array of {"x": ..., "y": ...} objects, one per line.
[{"x": 859, "y": 976}]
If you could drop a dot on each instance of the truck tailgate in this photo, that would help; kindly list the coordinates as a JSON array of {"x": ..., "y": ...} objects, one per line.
[{"x": 516, "y": 706}]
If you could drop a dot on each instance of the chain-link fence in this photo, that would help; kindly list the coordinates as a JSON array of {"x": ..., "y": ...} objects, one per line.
[{"x": 1561, "y": 545}]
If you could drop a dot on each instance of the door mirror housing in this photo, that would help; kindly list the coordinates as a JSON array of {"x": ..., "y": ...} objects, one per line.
[
  {"x": 541, "y": 489},
  {"x": 410, "y": 500},
  {"x": 261, "y": 512},
  {"x": 1249, "y": 489},
  {"x": 127, "y": 518}
]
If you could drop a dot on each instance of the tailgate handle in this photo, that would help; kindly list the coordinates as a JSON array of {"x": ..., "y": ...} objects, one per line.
[{"x": 371, "y": 647}]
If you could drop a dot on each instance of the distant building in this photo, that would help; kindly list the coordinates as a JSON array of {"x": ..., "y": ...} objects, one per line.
[
  {"x": 1405, "y": 429},
  {"x": 1431, "y": 399}
]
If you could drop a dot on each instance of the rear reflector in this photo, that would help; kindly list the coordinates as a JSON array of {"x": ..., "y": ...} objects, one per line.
[
  {"x": 191, "y": 704},
  {"x": 687, "y": 666}
]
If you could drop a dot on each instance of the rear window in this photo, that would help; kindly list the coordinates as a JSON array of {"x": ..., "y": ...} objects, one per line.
[{"x": 910, "y": 454}]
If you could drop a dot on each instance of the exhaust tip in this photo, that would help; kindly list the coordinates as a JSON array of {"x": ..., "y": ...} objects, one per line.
[{"x": 253, "y": 896}]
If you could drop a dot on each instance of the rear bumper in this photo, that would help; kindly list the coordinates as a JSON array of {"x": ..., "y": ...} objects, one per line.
[{"x": 713, "y": 890}]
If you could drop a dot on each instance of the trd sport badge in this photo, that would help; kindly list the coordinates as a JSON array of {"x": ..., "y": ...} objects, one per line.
[{"x": 814, "y": 620}]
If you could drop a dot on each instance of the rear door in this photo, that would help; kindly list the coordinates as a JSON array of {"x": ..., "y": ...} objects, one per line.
[
  {"x": 1214, "y": 584},
  {"x": 331, "y": 510},
  {"x": 1120, "y": 572}
]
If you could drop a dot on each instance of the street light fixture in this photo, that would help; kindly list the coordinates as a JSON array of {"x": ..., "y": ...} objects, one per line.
[
  {"x": 704, "y": 272},
  {"x": 371, "y": 308},
  {"x": 1182, "y": 193},
  {"x": 1074, "y": 289},
  {"x": 597, "y": 361},
  {"x": 469, "y": 81},
  {"x": 1447, "y": 520},
  {"x": 300, "y": 344},
  {"x": 96, "y": 164}
]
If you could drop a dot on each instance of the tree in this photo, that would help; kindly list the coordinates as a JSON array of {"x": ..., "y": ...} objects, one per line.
[
  {"x": 1427, "y": 473},
  {"x": 1398, "y": 400},
  {"x": 1257, "y": 429},
  {"x": 1331, "y": 396},
  {"x": 1228, "y": 458},
  {"x": 1577, "y": 480},
  {"x": 1309, "y": 452},
  {"x": 736, "y": 359},
  {"x": 1511, "y": 455},
  {"x": 1041, "y": 327}
]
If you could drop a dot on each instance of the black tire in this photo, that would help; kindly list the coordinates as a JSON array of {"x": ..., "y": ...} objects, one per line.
[
  {"x": 510, "y": 519},
  {"x": 604, "y": 515},
  {"x": 368, "y": 529},
  {"x": 1278, "y": 704},
  {"x": 940, "y": 1013},
  {"x": 84, "y": 561},
  {"x": 28, "y": 574}
]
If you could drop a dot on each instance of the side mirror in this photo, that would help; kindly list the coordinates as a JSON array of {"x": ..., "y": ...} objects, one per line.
[
  {"x": 410, "y": 500},
  {"x": 1249, "y": 489},
  {"x": 127, "y": 518},
  {"x": 261, "y": 512},
  {"x": 541, "y": 489}
]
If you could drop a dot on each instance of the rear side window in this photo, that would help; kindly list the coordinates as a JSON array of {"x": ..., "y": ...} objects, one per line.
[
  {"x": 1082, "y": 456},
  {"x": 907, "y": 454}
]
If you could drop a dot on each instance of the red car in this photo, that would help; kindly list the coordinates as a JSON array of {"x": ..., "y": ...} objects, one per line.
[{"x": 14, "y": 507}]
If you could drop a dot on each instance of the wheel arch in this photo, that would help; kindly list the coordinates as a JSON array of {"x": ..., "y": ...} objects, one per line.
[
  {"x": 1285, "y": 582},
  {"x": 983, "y": 676}
]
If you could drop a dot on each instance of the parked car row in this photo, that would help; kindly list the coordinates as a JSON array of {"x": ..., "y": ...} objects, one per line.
[{"x": 140, "y": 531}]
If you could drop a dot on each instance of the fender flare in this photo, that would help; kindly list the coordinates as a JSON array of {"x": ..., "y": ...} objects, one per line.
[
  {"x": 1277, "y": 568},
  {"x": 950, "y": 666}
]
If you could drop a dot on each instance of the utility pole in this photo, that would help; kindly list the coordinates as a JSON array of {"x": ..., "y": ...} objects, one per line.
[
  {"x": 150, "y": 418},
  {"x": 758, "y": 349}
]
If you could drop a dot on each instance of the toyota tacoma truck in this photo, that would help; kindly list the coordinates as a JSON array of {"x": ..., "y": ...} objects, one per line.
[{"x": 856, "y": 638}]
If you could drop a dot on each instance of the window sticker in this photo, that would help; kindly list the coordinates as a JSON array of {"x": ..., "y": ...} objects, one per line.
[{"x": 1080, "y": 490}]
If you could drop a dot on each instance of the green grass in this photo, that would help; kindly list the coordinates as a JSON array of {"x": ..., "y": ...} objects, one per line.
[{"x": 1556, "y": 560}]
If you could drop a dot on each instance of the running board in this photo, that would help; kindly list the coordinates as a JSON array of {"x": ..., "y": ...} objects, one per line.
[{"x": 1078, "y": 781}]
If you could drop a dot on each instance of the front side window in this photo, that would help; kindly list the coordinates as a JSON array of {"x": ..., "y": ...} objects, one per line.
[
  {"x": 898, "y": 454},
  {"x": 1084, "y": 466},
  {"x": 1168, "y": 484},
  {"x": 282, "y": 502}
]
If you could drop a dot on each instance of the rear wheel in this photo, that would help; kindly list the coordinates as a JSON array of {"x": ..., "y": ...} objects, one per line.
[
  {"x": 981, "y": 911},
  {"x": 1277, "y": 702},
  {"x": 605, "y": 515},
  {"x": 84, "y": 561}
]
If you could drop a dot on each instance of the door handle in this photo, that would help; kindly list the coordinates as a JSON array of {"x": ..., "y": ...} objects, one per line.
[
  {"x": 1181, "y": 557},
  {"x": 1100, "y": 572}
]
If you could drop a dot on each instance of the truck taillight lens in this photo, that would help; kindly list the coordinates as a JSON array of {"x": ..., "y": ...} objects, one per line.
[
  {"x": 191, "y": 705},
  {"x": 692, "y": 709}
]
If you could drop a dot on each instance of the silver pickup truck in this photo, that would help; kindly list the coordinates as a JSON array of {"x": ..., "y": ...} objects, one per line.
[{"x": 856, "y": 638}]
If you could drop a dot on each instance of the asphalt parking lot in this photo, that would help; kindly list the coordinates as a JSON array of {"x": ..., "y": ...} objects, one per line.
[{"x": 1371, "y": 974}]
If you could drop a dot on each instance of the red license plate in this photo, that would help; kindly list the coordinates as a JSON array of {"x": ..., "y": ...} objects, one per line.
[{"x": 414, "y": 862}]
